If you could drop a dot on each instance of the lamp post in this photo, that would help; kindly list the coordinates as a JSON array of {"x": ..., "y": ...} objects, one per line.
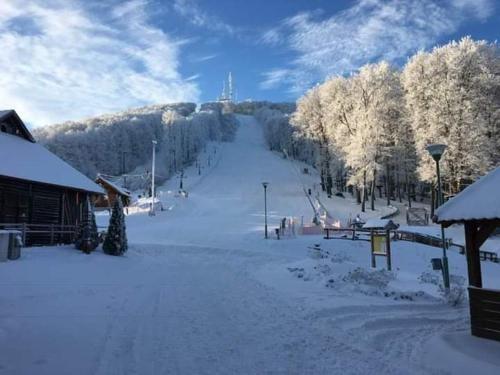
[
  {"x": 152, "y": 211},
  {"x": 437, "y": 151},
  {"x": 264, "y": 184}
]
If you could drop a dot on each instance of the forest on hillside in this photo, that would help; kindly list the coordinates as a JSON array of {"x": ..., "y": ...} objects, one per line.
[
  {"x": 121, "y": 143},
  {"x": 369, "y": 131}
]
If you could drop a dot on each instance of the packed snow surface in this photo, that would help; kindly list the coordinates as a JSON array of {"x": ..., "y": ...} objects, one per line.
[{"x": 201, "y": 292}]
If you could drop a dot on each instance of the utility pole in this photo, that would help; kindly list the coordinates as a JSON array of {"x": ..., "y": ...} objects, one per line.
[
  {"x": 265, "y": 184},
  {"x": 152, "y": 211},
  {"x": 123, "y": 169}
]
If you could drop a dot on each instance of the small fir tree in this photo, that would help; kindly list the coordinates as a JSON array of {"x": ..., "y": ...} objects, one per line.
[
  {"x": 116, "y": 238},
  {"x": 87, "y": 238}
]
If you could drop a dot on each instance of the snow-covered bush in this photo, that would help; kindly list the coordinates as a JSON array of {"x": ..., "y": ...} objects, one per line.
[
  {"x": 427, "y": 277},
  {"x": 374, "y": 278},
  {"x": 87, "y": 238},
  {"x": 455, "y": 296},
  {"x": 115, "y": 242}
]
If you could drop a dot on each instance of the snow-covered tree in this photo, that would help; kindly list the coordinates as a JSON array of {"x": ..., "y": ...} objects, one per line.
[
  {"x": 452, "y": 98},
  {"x": 121, "y": 143},
  {"x": 115, "y": 242},
  {"x": 87, "y": 237},
  {"x": 309, "y": 120}
]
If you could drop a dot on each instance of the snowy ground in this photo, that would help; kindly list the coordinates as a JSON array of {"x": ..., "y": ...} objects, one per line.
[{"x": 201, "y": 292}]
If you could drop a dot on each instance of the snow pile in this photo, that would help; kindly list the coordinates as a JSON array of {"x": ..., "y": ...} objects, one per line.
[{"x": 339, "y": 271}]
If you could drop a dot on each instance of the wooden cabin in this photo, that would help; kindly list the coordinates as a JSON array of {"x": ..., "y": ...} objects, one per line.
[
  {"x": 38, "y": 191},
  {"x": 113, "y": 191},
  {"x": 478, "y": 209}
]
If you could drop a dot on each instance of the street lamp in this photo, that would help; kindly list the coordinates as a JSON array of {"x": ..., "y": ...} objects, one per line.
[
  {"x": 152, "y": 211},
  {"x": 437, "y": 151},
  {"x": 264, "y": 184}
]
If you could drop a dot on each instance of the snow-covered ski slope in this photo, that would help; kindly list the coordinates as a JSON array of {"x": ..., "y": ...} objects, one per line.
[
  {"x": 225, "y": 206},
  {"x": 201, "y": 292}
]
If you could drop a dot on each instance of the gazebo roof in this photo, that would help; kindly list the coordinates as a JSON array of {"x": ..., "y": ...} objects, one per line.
[{"x": 479, "y": 201}]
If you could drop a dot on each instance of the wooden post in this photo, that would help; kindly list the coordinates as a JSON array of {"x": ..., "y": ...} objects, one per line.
[
  {"x": 24, "y": 234},
  {"x": 388, "y": 249},
  {"x": 374, "y": 264},
  {"x": 52, "y": 234},
  {"x": 472, "y": 254}
]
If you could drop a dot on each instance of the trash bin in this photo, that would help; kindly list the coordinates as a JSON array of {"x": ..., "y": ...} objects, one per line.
[
  {"x": 4, "y": 245},
  {"x": 15, "y": 244}
]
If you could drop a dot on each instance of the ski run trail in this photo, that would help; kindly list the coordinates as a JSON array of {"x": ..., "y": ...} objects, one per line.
[{"x": 201, "y": 292}]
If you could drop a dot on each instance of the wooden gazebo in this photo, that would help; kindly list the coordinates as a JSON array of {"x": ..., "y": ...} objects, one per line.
[{"x": 478, "y": 209}]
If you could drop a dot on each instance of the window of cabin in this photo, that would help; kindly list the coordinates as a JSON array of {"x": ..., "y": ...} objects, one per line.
[{"x": 3, "y": 128}]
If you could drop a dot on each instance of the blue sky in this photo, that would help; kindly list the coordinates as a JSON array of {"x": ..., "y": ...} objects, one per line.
[{"x": 69, "y": 59}]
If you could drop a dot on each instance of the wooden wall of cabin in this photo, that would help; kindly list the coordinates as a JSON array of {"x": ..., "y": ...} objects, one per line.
[{"x": 36, "y": 203}]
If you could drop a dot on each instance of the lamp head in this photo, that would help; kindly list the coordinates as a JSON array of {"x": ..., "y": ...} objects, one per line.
[
  {"x": 265, "y": 184},
  {"x": 436, "y": 151}
]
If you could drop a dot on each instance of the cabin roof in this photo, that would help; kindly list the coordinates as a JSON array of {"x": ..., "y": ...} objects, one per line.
[
  {"x": 478, "y": 201},
  {"x": 120, "y": 190},
  {"x": 7, "y": 114},
  {"x": 30, "y": 161}
]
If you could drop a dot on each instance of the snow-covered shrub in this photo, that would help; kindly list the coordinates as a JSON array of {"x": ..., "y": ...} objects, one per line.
[
  {"x": 87, "y": 238},
  {"x": 427, "y": 277},
  {"x": 116, "y": 237},
  {"x": 341, "y": 257},
  {"x": 375, "y": 278},
  {"x": 317, "y": 252},
  {"x": 455, "y": 296}
]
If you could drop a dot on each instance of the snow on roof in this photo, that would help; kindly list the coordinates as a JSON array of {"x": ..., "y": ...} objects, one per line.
[
  {"x": 478, "y": 201},
  {"x": 119, "y": 189},
  {"x": 30, "y": 161},
  {"x": 379, "y": 224}
]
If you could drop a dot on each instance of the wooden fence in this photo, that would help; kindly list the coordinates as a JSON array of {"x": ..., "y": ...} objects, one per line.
[
  {"x": 43, "y": 234},
  {"x": 485, "y": 312}
]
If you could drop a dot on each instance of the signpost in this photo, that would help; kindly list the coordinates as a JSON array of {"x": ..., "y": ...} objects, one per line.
[{"x": 381, "y": 246}]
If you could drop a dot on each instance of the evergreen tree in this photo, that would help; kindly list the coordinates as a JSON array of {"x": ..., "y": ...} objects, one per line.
[
  {"x": 87, "y": 238},
  {"x": 116, "y": 238}
]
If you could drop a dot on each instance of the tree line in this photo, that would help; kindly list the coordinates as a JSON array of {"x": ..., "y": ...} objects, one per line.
[
  {"x": 368, "y": 132},
  {"x": 121, "y": 143}
]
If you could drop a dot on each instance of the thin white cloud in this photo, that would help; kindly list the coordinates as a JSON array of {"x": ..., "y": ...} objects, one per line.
[
  {"x": 71, "y": 64},
  {"x": 275, "y": 78},
  {"x": 192, "y": 12},
  {"x": 370, "y": 30},
  {"x": 203, "y": 58}
]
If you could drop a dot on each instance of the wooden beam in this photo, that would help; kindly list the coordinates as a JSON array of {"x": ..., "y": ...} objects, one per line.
[
  {"x": 484, "y": 231},
  {"x": 472, "y": 254}
]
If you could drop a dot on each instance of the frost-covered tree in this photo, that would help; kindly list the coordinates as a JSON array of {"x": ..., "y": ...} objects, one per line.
[
  {"x": 373, "y": 126},
  {"x": 121, "y": 143},
  {"x": 115, "y": 242},
  {"x": 310, "y": 122},
  {"x": 452, "y": 98}
]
